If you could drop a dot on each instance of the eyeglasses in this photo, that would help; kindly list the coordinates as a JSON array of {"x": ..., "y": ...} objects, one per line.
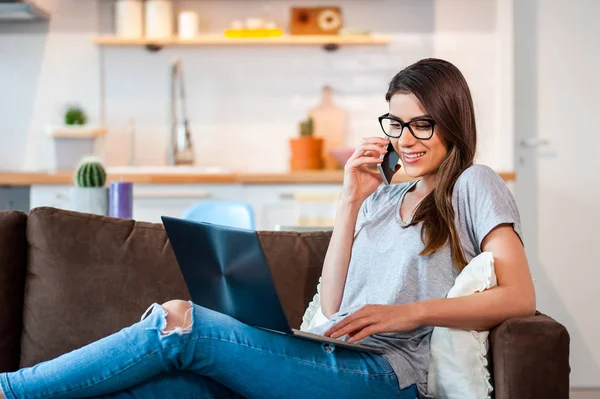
[{"x": 420, "y": 128}]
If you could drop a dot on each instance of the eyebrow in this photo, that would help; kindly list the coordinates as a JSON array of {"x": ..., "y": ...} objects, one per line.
[{"x": 415, "y": 118}]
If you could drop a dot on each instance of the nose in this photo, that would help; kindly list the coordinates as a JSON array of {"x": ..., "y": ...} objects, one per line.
[{"x": 406, "y": 139}]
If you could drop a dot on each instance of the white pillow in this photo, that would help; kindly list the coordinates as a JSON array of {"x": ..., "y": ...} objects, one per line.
[
  {"x": 458, "y": 367},
  {"x": 313, "y": 316}
]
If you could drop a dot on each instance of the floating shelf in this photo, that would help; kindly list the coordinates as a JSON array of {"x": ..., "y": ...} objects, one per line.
[{"x": 220, "y": 40}]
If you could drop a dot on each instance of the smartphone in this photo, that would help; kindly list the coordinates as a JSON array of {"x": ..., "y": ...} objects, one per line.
[{"x": 387, "y": 167}]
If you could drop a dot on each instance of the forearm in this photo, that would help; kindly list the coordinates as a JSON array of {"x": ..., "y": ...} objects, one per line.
[
  {"x": 337, "y": 259},
  {"x": 480, "y": 311}
]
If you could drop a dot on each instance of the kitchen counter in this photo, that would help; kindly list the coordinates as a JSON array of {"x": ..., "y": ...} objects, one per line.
[{"x": 325, "y": 176}]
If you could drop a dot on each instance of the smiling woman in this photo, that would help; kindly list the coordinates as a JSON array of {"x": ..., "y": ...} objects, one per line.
[{"x": 396, "y": 250}]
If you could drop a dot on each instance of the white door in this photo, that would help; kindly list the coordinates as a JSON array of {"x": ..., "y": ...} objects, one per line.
[{"x": 557, "y": 156}]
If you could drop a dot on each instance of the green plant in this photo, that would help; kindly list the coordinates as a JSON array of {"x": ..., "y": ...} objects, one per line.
[
  {"x": 90, "y": 173},
  {"x": 306, "y": 127},
  {"x": 75, "y": 116}
]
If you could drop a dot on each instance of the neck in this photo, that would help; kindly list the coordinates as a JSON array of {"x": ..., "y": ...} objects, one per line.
[{"x": 426, "y": 184}]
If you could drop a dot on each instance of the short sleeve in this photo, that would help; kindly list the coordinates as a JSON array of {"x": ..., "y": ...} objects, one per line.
[
  {"x": 362, "y": 215},
  {"x": 367, "y": 208},
  {"x": 481, "y": 202}
]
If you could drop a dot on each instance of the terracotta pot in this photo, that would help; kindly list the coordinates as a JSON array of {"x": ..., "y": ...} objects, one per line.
[{"x": 307, "y": 153}]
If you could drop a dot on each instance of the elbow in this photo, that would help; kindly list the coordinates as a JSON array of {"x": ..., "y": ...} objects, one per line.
[
  {"x": 531, "y": 308},
  {"x": 326, "y": 311},
  {"x": 326, "y": 308},
  {"x": 527, "y": 306}
]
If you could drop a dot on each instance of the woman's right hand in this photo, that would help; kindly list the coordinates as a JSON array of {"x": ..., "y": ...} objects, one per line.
[{"x": 360, "y": 181}]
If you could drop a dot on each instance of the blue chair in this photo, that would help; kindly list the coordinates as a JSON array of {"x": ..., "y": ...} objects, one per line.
[{"x": 226, "y": 213}]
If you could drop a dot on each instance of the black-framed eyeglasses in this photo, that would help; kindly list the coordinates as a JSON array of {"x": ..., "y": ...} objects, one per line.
[{"x": 421, "y": 128}]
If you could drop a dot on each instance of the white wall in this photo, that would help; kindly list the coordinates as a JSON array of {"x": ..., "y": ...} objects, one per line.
[
  {"x": 569, "y": 187},
  {"x": 248, "y": 99},
  {"x": 43, "y": 66},
  {"x": 557, "y": 95}
]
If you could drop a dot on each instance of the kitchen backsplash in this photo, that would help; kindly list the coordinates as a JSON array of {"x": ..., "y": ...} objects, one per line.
[{"x": 244, "y": 103}]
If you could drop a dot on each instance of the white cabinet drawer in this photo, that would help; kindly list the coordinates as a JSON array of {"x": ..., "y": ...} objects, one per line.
[{"x": 56, "y": 196}]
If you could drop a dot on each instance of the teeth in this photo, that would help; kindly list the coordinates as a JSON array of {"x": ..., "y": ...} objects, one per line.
[{"x": 420, "y": 154}]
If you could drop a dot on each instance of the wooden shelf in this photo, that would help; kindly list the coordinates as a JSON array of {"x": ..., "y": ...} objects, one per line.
[
  {"x": 221, "y": 40},
  {"x": 324, "y": 176}
]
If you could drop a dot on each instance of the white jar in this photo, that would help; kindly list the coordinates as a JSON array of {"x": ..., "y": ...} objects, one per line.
[
  {"x": 129, "y": 18},
  {"x": 188, "y": 24},
  {"x": 159, "y": 19}
]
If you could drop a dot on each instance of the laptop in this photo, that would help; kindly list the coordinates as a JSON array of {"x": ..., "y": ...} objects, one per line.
[{"x": 225, "y": 270}]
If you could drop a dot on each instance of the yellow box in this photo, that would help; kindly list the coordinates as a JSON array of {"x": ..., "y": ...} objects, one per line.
[{"x": 250, "y": 33}]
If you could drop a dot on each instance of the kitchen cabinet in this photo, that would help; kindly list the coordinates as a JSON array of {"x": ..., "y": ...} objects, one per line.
[
  {"x": 56, "y": 196},
  {"x": 273, "y": 204},
  {"x": 151, "y": 201},
  {"x": 283, "y": 205},
  {"x": 14, "y": 198},
  {"x": 299, "y": 199}
]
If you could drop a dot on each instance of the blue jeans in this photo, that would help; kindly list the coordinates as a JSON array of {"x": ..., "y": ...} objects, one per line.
[{"x": 217, "y": 357}]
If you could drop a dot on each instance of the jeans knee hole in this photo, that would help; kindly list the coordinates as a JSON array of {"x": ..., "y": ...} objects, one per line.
[{"x": 180, "y": 330}]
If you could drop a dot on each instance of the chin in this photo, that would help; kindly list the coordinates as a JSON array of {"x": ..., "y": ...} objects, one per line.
[{"x": 414, "y": 172}]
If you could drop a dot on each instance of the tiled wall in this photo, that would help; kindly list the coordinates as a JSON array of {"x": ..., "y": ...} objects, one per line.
[{"x": 244, "y": 103}]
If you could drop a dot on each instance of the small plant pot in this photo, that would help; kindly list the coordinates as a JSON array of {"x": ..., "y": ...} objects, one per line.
[
  {"x": 70, "y": 144},
  {"x": 307, "y": 153},
  {"x": 89, "y": 200},
  {"x": 68, "y": 152}
]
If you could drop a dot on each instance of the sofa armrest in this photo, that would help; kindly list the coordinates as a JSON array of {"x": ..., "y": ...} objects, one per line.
[{"x": 530, "y": 357}]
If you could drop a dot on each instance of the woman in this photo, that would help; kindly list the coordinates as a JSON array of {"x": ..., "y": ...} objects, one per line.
[{"x": 394, "y": 254}]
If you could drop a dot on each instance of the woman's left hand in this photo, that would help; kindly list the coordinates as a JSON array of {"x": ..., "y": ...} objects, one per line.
[{"x": 375, "y": 319}]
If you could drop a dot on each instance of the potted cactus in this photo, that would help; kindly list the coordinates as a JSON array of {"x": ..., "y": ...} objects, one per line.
[
  {"x": 72, "y": 139},
  {"x": 306, "y": 150},
  {"x": 90, "y": 194}
]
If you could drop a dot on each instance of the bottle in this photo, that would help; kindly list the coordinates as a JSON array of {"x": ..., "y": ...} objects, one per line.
[{"x": 159, "y": 19}]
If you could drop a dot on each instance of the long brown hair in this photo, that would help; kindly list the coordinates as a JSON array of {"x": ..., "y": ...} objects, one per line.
[{"x": 443, "y": 92}]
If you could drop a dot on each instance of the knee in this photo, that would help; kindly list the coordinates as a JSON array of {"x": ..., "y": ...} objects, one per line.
[{"x": 178, "y": 314}]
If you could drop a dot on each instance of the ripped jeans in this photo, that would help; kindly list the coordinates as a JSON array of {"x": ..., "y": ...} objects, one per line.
[{"x": 217, "y": 357}]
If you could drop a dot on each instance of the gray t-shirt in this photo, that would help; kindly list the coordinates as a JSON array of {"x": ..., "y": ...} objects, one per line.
[{"x": 385, "y": 266}]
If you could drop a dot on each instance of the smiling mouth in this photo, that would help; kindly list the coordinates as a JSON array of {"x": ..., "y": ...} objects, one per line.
[{"x": 414, "y": 155}]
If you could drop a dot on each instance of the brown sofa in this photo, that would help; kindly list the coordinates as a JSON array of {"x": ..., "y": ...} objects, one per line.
[{"x": 67, "y": 279}]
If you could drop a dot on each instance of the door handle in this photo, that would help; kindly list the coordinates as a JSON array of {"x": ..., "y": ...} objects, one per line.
[{"x": 533, "y": 142}]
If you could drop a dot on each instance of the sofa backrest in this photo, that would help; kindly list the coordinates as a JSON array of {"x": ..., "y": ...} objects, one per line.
[
  {"x": 89, "y": 276},
  {"x": 12, "y": 279}
]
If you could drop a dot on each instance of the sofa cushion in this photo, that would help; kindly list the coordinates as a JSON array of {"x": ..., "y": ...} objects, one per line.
[
  {"x": 296, "y": 260},
  {"x": 89, "y": 276},
  {"x": 12, "y": 278}
]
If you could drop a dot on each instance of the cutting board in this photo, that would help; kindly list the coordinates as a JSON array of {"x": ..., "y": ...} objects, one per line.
[{"x": 331, "y": 124}]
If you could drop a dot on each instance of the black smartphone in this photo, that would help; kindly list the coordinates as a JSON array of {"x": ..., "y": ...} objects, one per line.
[{"x": 387, "y": 167}]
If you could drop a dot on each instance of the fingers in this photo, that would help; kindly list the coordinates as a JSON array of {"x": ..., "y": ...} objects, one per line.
[
  {"x": 373, "y": 150},
  {"x": 355, "y": 326},
  {"x": 362, "y": 161},
  {"x": 348, "y": 319},
  {"x": 370, "y": 145},
  {"x": 364, "y": 333},
  {"x": 374, "y": 140}
]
